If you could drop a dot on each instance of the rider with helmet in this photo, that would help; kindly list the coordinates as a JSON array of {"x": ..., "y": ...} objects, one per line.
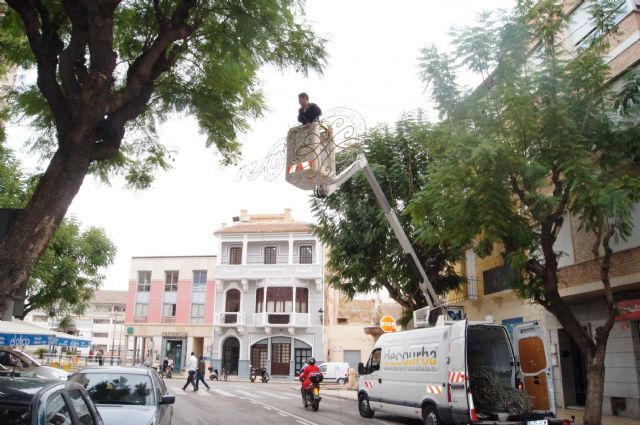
[{"x": 304, "y": 376}]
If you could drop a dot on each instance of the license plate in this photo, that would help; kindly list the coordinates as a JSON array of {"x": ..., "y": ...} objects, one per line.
[{"x": 540, "y": 422}]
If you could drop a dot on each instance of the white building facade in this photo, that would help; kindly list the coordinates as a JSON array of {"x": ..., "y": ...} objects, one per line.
[{"x": 269, "y": 295}]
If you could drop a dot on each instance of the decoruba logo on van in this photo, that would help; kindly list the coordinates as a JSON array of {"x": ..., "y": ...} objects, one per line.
[{"x": 417, "y": 358}]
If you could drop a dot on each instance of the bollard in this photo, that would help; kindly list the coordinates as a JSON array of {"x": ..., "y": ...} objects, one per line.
[{"x": 353, "y": 379}]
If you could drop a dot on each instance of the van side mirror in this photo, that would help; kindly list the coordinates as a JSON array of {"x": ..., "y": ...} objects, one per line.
[{"x": 362, "y": 370}]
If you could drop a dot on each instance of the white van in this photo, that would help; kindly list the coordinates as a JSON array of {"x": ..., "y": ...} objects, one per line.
[
  {"x": 335, "y": 372},
  {"x": 429, "y": 373}
]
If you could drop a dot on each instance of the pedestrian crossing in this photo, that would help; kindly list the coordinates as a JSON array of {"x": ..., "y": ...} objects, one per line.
[{"x": 278, "y": 393}]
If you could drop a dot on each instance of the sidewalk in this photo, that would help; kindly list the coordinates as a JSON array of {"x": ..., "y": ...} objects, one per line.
[{"x": 561, "y": 413}]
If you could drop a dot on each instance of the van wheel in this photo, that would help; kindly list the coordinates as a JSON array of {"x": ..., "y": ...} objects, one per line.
[
  {"x": 364, "y": 407},
  {"x": 430, "y": 416},
  {"x": 340, "y": 381}
]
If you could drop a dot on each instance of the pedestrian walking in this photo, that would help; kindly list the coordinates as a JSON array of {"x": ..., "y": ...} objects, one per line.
[
  {"x": 99, "y": 357},
  {"x": 202, "y": 366},
  {"x": 192, "y": 368}
]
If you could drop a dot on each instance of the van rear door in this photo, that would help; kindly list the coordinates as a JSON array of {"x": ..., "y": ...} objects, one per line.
[
  {"x": 535, "y": 365},
  {"x": 458, "y": 372}
]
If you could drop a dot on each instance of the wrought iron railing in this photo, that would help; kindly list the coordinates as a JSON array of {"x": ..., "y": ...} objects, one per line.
[{"x": 499, "y": 279}]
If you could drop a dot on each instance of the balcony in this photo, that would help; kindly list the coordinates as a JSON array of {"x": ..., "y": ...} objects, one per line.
[
  {"x": 229, "y": 319},
  {"x": 140, "y": 319},
  {"x": 168, "y": 319},
  {"x": 468, "y": 292},
  {"x": 262, "y": 319},
  {"x": 263, "y": 271},
  {"x": 499, "y": 279}
]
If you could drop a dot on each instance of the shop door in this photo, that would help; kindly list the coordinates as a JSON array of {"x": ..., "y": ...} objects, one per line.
[
  {"x": 280, "y": 358},
  {"x": 259, "y": 354},
  {"x": 174, "y": 352},
  {"x": 230, "y": 355}
]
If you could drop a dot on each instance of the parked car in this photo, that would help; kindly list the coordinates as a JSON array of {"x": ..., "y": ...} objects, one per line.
[
  {"x": 21, "y": 364},
  {"x": 335, "y": 372},
  {"x": 139, "y": 389},
  {"x": 28, "y": 401}
]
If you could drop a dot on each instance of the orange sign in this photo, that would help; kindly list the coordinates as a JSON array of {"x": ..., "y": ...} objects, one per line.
[{"x": 388, "y": 324}]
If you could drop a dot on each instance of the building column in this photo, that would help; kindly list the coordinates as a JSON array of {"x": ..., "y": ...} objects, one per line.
[
  {"x": 292, "y": 358},
  {"x": 290, "y": 249},
  {"x": 244, "y": 250}
]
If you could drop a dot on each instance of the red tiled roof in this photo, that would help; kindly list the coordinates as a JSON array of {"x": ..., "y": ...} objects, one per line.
[{"x": 265, "y": 227}]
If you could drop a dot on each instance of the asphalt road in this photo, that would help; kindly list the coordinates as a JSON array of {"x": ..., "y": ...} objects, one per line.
[{"x": 240, "y": 403}]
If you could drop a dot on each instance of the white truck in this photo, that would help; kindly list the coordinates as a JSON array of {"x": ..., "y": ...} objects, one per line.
[{"x": 429, "y": 373}]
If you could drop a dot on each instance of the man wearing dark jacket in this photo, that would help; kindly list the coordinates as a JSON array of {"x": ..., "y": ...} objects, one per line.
[{"x": 308, "y": 112}]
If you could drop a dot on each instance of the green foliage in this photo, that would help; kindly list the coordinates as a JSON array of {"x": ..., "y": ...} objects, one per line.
[
  {"x": 535, "y": 142},
  {"x": 364, "y": 253},
  {"x": 211, "y": 73},
  {"x": 69, "y": 271},
  {"x": 67, "y": 274}
]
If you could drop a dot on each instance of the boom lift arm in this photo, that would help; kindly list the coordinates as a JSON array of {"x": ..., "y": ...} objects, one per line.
[{"x": 361, "y": 164}]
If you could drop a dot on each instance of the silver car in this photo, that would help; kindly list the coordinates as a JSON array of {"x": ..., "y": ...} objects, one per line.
[{"x": 17, "y": 363}]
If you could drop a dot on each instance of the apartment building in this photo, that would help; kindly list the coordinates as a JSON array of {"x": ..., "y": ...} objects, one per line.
[
  {"x": 269, "y": 295},
  {"x": 102, "y": 323},
  {"x": 487, "y": 293},
  {"x": 170, "y": 307}
]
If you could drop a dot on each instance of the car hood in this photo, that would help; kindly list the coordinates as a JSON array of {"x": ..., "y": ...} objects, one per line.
[
  {"x": 49, "y": 372},
  {"x": 126, "y": 414}
]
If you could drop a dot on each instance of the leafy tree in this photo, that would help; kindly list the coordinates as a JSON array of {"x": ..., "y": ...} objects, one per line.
[
  {"x": 65, "y": 277},
  {"x": 364, "y": 253},
  {"x": 535, "y": 143},
  {"x": 107, "y": 69}
]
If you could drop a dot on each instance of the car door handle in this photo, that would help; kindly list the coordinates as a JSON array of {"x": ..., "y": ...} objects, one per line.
[{"x": 379, "y": 380}]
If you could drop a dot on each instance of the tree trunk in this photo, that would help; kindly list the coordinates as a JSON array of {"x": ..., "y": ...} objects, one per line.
[
  {"x": 34, "y": 226},
  {"x": 595, "y": 387}
]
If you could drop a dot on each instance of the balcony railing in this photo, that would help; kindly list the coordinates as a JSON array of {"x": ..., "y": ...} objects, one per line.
[
  {"x": 262, "y": 319},
  {"x": 140, "y": 319},
  {"x": 468, "y": 292},
  {"x": 230, "y": 319},
  {"x": 499, "y": 279},
  {"x": 168, "y": 319}
]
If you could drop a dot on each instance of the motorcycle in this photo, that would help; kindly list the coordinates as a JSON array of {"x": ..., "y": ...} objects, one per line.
[
  {"x": 215, "y": 376},
  {"x": 166, "y": 371},
  {"x": 252, "y": 373},
  {"x": 265, "y": 376},
  {"x": 311, "y": 395}
]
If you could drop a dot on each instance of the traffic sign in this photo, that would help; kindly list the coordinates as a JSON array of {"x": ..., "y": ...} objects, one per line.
[{"x": 388, "y": 324}]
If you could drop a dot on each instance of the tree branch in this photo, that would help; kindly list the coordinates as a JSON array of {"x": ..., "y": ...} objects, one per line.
[{"x": 46, "y": 47}]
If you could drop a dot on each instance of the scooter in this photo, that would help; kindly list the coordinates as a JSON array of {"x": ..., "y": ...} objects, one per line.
[
  {"x": 265, "y": 376},
  {"x": 213, "y": 373},
  {"x": 252, "y": 373},
  {"x": 311, "y": 395}
]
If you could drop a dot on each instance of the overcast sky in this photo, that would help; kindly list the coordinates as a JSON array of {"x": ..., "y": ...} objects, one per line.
[{"x": 373, "y": 49}]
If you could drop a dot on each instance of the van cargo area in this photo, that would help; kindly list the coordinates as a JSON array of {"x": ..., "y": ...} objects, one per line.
[{"x": 492, "y": 377}]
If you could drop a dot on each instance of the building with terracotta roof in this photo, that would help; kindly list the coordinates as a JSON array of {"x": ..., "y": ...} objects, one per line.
[{"x": 269, "y": 295}]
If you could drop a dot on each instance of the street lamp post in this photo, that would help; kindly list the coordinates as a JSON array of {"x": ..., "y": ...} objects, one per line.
[{"x": 113, "y": 339}]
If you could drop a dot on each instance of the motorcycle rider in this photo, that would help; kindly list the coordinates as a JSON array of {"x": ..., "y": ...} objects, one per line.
[{"x": 304, "y": 376}]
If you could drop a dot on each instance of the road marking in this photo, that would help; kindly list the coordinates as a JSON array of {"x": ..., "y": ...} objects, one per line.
[
  {"x": 299, "y": 419},
  {"x": 282, "y": 414},
  {"x": 204, "y": 393},
  {"x": 278, "y": 396},
  {"x": 224, "y": 393},
  {"x": 249, "y": 394}
]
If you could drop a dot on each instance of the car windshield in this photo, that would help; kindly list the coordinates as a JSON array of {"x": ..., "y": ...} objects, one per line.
[
  {"x": 116, "y": 388},
  {"x": 31, "y": 358}
]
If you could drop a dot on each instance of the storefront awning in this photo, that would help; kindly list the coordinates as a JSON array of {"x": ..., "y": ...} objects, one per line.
[{"x": 18, "y": 333}]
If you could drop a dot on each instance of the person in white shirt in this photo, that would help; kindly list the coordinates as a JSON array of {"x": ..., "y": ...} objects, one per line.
[{"x": 192, "y": 367}]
